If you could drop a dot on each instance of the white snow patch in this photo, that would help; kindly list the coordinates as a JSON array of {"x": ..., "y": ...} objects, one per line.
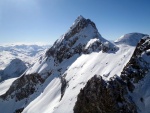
[
  {"x": 4, "y": 86},
  {"x": 91, "y": 42}
]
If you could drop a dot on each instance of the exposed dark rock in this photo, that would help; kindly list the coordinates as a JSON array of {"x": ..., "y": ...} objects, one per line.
[
  {"x": 19, "y": 110},
  {"x": 63, "y": 86},
  {"x": 99, "y": 96},
  {"x": 23, "y": 87},
  {"x": 81, "y": 23},
  {"x": 137, "y": 67},
  {"x": 94, "y": 47}
]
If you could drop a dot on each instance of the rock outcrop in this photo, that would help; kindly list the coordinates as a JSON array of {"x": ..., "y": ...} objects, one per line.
[
  {"x": 99, "y": 96},
  {"x": 23, "y": 87},
  {"x": 139, "y": 65}
]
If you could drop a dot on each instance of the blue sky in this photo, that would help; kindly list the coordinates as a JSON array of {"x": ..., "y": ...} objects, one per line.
[{"x": 45, "y": 21}]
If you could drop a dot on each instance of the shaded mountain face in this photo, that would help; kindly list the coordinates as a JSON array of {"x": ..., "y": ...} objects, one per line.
[
  {"x": 118, "y": 94},
  {"x": 54, "y": 81},
  {"x": 15, "y": 68}
]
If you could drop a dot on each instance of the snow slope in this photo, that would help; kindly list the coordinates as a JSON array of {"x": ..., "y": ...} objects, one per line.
[
  {"x": 77, "y": 75},
  {"x": 67, "y": 66},
  {"x": 130, "y": 39},
  {"x": 4, "y": 86}
]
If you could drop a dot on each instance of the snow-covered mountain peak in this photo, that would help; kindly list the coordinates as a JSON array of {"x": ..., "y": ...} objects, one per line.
[
  {"x": 79, "y": 24},
  {"x": 130, "y": 39},
  {"x": 79, "y": 18},
  {"x": 83, "y": 37}
]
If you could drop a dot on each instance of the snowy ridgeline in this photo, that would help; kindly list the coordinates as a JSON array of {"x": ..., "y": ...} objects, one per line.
[{"x": 53, "y": 83}]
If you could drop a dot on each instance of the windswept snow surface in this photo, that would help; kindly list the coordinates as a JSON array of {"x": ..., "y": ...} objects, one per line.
[
  {"x": 77, "y": 74},
  {"x": 130, "y": 39}
]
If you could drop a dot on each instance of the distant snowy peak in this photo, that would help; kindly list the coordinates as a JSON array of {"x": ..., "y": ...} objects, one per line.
[
  {"x": 30, "y": 50},
  {"x": 14, "y": 69},
  {"x": 130, "y": 39}
]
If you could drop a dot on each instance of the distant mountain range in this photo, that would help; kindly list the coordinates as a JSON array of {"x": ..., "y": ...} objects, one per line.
[
  {"x": 27, "y": 53},
  {"x": 82, "y": 72}
]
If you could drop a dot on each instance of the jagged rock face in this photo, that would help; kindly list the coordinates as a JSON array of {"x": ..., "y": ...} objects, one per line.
[
  {"x": 99, "y": 96},
  {"x": 69, "y": 44},
  {"x": 14, "y": 69},
  {"x": 19, "y": 110},
  {"x": 23, "y": 87},
  {"x": 138, "y": 66},
  {"x": 79, "y": 24},
  {"x": 77, "y": 39}
]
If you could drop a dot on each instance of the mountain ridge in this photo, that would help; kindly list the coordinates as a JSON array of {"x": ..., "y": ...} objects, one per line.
[
  {"x": 130, "y": 38},
  {"x": 54, "y": 81}
]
